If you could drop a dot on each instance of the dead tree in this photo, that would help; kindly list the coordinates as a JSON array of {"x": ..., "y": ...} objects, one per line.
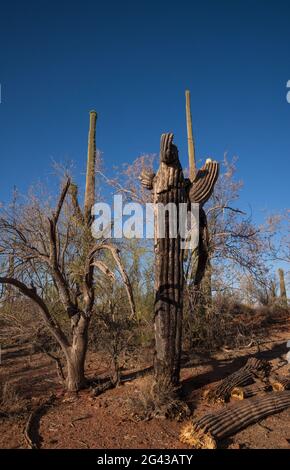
[
  {"x": 254, "y": 368},
  {"x": 56, "y": 249},
  {"x": 206, "y": 431}
]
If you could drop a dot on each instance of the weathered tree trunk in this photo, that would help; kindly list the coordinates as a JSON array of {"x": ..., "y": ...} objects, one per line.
[
  {"x": 76, "y": 355},
  {"x": 169, "y": 188}
]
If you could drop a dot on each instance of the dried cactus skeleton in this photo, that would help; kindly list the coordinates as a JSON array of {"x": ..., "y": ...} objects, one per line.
[
  {"x": 241, "y": 393},
  {"x": 206, "y": 431},
  {"x": 280, "y": 383},
  {"x": 253, "y": 369}
]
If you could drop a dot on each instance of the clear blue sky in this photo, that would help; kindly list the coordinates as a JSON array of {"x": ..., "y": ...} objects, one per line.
[{"x": 132, "y": 61}]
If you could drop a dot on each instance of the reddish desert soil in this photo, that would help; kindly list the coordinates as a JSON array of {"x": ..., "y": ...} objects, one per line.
[{"x": 107, "y": 421}]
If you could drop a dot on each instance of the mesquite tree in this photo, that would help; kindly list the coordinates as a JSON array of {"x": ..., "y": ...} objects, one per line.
[
  {"x": 170, "y": 186},
  {"x": 55, "y": 257}
]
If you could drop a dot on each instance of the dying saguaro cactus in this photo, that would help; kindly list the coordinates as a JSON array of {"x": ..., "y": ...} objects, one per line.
[
  {"x": 205, "y": 432},
  {"x": 280, "y": 383},
  {"x": 246, "y": 375},
  {"x": 257, "y": 388},
  {"x": 168, "y": 186},
  {"x": 283, "y": 294}
]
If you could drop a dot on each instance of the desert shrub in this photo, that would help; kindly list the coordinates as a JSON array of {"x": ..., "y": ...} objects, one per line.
[
  {"x": 113, "y": 330},
  {"x": 226, "y": 322},
  {"x": 141, "y": 405},
  {"x": 153, "y": 400}
]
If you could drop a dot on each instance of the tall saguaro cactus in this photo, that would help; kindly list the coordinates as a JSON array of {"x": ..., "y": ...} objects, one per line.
[
  {"x": 203, "y": 182},
  {"x": 170, "y": 187},
  {"x": 91, "y": 167}
]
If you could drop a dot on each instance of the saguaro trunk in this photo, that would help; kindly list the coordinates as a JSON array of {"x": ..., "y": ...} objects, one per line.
[
  {"x": 201, "y": 262},
  {"x": 283, "y": 295},
  {"x": 76, "y": 356},
  {"x": 169, "y": 188}
]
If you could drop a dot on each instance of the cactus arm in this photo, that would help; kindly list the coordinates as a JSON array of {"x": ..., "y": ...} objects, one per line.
[
  {"x": 203, "y": 185},
  {"x": 190, "y": 141},
  {"x": 91, "y": 164},
  {"x": 147, "y": 177}
]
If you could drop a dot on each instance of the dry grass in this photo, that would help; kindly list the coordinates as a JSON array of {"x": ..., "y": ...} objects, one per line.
[
  {"x": 227, "y": 323},
  {"x": 11, "y": 401},
  {"x": 153, "y": 400}
]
